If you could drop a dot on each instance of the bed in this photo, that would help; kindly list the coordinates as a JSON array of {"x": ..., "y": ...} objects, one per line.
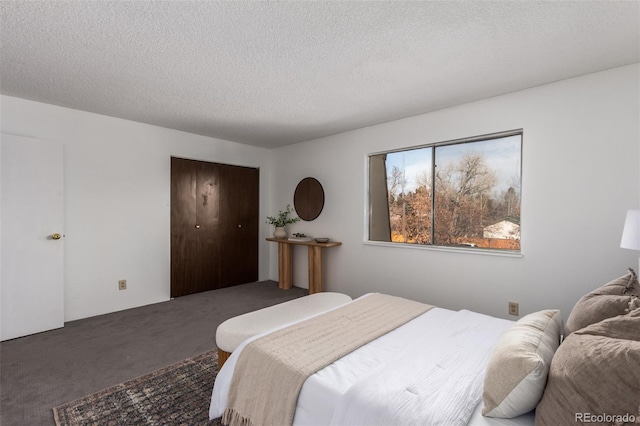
[
  {"x": 435, "y": 369},
  {"x": 325, "y": 398}
]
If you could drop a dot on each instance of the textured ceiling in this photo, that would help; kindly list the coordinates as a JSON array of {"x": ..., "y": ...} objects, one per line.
[{"x": 275, "y": 73}]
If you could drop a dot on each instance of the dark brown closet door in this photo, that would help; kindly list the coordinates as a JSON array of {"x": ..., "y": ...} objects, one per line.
[
  {"x": 195, "y": 243},
  {"x": 239, "y": 209},
  {"x": 207, "y": 222}
]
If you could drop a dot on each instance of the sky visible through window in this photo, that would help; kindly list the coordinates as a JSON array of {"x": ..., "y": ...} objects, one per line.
[{"x": 502, "y": 155}]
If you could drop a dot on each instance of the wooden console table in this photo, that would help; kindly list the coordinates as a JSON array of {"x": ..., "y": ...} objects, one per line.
[{"x": 285, "y": 262}]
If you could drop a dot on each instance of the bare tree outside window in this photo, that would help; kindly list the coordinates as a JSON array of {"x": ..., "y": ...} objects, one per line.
[{"x": 460, "y": 193}]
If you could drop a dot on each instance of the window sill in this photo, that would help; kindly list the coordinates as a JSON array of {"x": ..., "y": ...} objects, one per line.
[{"x": 464, "y": 250}]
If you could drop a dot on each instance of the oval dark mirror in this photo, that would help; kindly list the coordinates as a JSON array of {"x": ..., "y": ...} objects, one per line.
[{"x": 308, "y": 200}]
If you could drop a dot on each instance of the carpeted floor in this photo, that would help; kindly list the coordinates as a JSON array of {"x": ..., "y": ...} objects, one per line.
[
  {"x": 175, "y": 395},
  {"x": 45, "y": 370}
]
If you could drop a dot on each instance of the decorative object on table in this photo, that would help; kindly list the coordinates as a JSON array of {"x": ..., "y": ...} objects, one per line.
[
  {"x": 280, "y": 232},
  {"x": 283, "y": 219},
  {"x": 321, "y": 240},
  {"x": 308, "y": 199},
  {"x": 299, "y": 236}
]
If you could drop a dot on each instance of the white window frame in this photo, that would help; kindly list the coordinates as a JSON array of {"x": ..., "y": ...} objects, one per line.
[{"x": 433, "y": 247}]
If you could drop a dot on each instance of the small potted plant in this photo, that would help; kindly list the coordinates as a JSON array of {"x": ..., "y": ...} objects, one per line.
[{"x": 281, "y": 220}]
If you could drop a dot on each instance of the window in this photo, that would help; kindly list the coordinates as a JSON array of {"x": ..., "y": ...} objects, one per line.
[{"x": 463, "y": 193}]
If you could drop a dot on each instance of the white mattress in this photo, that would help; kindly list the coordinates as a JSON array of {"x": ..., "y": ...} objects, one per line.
[{"x": 321, "y": 391}]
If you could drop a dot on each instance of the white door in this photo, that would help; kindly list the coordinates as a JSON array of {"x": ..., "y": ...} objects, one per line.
[{"x": 31, "y": 212}]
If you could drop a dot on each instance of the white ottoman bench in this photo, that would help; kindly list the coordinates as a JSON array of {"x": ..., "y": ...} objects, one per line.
[{"x": 235, "y": 330}]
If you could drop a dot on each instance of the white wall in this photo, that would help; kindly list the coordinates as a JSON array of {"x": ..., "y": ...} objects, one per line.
[
  {"x": 117, "y": 195},
  {"x": 581, "y": 149},
  {"x": 581, "y": 152}
]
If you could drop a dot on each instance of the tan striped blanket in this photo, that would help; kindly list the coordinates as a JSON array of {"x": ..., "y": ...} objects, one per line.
[{"x": 270, "y": 370}]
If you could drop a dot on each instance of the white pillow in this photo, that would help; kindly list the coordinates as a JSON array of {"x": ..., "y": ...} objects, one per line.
[{"x": 517, "y": 370}]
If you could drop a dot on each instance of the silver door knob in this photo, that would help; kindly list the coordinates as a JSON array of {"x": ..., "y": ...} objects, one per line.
[
  {"x": 239, "y": 226},
  {"x": 197, "y": 226}
]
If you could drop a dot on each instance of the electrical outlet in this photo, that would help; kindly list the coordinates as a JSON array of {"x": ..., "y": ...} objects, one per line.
[
  {"x": 122, "y": 285},
  {"x": 514, "y": 308}
]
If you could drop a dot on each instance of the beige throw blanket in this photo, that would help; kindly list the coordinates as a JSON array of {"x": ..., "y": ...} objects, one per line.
[{"x": 270, "y": 370}]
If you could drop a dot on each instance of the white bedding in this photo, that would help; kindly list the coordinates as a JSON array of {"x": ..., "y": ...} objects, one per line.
[{"x": 327, "y": 396}]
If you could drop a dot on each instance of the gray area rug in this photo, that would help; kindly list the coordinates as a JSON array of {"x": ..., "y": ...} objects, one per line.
[{"x": 175, "y": 395}]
